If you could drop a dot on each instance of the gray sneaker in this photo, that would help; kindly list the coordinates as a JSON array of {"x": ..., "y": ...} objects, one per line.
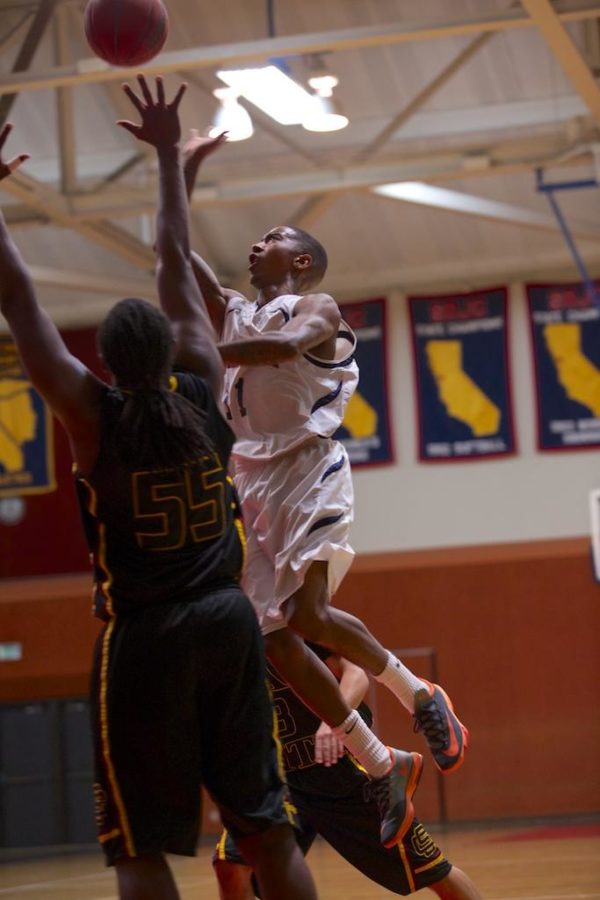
[
  {"x": 393, "y": 795},
  {"x": 445, "y": 733}
]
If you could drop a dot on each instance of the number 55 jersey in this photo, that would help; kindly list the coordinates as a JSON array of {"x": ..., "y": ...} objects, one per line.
[{"x": 162, "y": 535}]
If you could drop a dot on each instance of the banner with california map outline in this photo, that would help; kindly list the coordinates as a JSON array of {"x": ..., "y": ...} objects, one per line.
[
  {"x": 462, "y": 375},
  {"x": 565, "y": 335},
  {"x": 366, "y": 429},
  {"x": 26, "y": 432}
]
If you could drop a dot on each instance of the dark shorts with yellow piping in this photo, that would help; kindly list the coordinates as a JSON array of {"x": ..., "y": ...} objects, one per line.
[
  {"x": 179, "y": 700},
  {"x": 331, "y": 803}
]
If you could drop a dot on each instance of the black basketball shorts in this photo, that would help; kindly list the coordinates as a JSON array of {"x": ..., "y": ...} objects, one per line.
[{"x": 180, "y": 700}]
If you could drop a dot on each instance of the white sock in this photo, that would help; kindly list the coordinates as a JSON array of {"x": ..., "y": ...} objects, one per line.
[
  {"x": 401, "y": 682},
  {"x": 365, "y": 746}
]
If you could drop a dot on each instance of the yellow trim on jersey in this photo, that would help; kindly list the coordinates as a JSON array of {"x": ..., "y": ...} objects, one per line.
[
  {"x": 91, "y": 502},
  {"x": 92, "y": 496},
  {"x": 104, "y": 736},
  {"x": 239, "y": 524},
  {"x": 434, "y": 862},
  {"x": 103, "y": 838},
  {"x": 220, "y": 848},
  {"x": 107, "y": 583},
  {"x": 290, "y": 809},
  {"x": 407, "y": 868},
  {"x": 173, "y": 383},
  {"x": 242, "y": 536}
]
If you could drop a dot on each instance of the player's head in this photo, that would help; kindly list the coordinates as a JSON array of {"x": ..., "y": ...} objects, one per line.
[
  {"x": 157, "y": 426},
  {"x": 286, "y": 250},
  {"x": 136, "y": 344}
]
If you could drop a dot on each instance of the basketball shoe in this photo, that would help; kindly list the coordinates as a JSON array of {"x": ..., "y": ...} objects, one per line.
[
  {"x": 393, "y": 795},
  {"x": 444, "y": 732}
]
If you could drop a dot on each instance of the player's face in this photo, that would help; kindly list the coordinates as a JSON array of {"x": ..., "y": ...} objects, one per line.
[{"x": 271, "y": 259}]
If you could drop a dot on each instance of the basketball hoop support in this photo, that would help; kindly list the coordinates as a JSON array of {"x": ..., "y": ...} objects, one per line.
[{"x": 550, "y": 189}]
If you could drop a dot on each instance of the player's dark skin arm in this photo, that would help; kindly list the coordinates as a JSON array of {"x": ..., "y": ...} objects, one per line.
[
  {"x": 216, "y": 297},
  {"x": 65, "y": 383},
  {"x": 314, "y": 327},
  {"x": 179, "y": 295}
]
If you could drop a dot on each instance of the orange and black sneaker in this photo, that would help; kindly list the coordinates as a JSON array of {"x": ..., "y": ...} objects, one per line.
[
  {"x": 446, "y": 735},
  {"x": 393, "y": 795}
]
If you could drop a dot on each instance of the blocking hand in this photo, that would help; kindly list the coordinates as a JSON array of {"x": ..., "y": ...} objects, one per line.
[
  {"x": 198, "y": 147},
  {"x": 160, "y": 124},
  {"x": 7, "y": 167}
]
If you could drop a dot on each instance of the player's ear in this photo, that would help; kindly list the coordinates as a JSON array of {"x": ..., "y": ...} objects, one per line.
[{"x": 303, "y": 262}]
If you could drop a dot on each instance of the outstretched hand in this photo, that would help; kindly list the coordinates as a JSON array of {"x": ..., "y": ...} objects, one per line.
[
  {"x": 160, "y": 124},
  {"x": 7, "y": 167},
  {"x": 198, "y": 147}
]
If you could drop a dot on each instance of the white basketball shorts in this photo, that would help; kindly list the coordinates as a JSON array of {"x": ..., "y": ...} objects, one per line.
[{"x": 297, "y": 508}]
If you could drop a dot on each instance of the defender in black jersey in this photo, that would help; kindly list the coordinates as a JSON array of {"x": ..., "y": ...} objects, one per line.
[
  {"x": 333, "y": 802},
  {"x": 179, "y": 695}
]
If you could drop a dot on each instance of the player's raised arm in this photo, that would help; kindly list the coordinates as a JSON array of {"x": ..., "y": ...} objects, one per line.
[
  {"x": 315, "y": 322},
  {"x": 195, "y": 151},
  {"x": 178, "y": 291},
  {"x": 62, "y": 380}
]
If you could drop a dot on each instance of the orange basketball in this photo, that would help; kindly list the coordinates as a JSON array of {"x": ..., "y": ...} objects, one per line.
[{"x": 126, "y": 32}]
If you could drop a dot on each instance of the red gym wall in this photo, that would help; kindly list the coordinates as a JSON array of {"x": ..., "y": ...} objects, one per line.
[{"x": 514, "y": 628}]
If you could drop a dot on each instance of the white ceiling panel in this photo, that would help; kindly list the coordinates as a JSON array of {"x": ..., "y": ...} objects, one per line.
[{"x": 481, "y": 128}]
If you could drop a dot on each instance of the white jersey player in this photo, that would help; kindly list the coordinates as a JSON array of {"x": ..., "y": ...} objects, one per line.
[
  {"x": 294, "y": 479},
  {"x": 291, "y": 376},
  {"x": 311, "y": 393}
]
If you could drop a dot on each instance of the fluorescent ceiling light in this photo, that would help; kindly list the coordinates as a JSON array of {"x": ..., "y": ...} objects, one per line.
[
  {"x": 272, "y": 91},
  {"x": 417, "y": 191}
]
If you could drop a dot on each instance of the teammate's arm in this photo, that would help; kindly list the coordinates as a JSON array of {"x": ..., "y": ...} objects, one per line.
[
  {"x": 354, "y": 684},
  {"x": 64, "y": 382},
  {"x": 179, "y": 295},
  {"x": 316, "y": 320},
  {"x": 194, "y": 152}
]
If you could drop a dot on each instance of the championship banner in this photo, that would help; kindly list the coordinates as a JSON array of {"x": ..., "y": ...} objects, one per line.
[
  {"x": 462, "y": 375},
  {"x": 565, "y": 334},
  {"x": 26, "y": 432},
  {"x": 365, "y": 432}
]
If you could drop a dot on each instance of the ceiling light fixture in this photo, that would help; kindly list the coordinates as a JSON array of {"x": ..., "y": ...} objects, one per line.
[
  {"x": 271, "y": 90},
  {"x": 325, "y": 112},
  {"x": 231, "y": 116}
]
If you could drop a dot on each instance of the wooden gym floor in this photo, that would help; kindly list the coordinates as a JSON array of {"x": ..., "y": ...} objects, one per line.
[{"x": 549, "y": 861}]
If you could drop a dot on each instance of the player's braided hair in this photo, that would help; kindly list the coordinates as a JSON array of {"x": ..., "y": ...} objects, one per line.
[{"x": 157, "y": 427}]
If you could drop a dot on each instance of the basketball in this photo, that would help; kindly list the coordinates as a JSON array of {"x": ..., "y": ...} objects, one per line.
[{"x": 126, "y": 32}]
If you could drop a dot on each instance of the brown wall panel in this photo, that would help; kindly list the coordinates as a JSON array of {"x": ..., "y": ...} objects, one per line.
[
  {"x": 516, "y": 634},
  {"x": 515, "y": 630},
  {"x": 52, "y": 619}
]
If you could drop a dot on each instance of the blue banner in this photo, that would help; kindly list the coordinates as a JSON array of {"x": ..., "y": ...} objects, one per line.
[
  {"x": 462, "y": 378},
  {"x": 565, "y": 333},
  {"x": 26, "y": 432},
  {"x": 366, "y": 429}
]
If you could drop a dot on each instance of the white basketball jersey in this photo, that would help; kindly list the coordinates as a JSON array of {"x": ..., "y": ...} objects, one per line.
[{"x": 273, "y": 409}]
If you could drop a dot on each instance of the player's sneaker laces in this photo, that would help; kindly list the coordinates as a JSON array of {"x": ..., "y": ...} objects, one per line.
[
  {"x": 446, "y": 735},
  {"x": 393, "y": 795}
]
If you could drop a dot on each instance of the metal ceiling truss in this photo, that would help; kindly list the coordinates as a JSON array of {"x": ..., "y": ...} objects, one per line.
[
  {"x": 94, "y": 70},
  {"x": 88, "y": 213}
]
